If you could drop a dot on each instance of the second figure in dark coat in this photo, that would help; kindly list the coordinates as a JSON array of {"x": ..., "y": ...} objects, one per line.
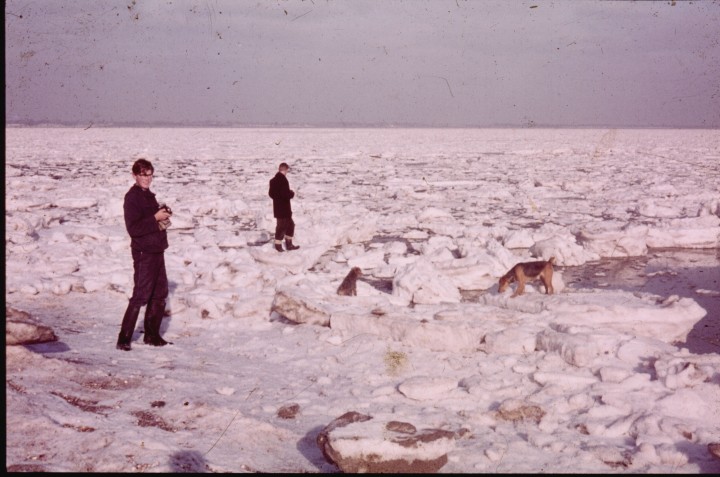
[{"x": 280, "y": 193}]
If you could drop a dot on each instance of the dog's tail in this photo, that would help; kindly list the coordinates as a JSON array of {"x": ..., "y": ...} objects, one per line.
[{"x": 551, "y": 260}]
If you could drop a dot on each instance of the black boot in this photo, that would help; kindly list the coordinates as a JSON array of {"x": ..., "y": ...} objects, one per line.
[
  {"x": 278, "y": 247},
  {"x": 156, "y": 341},
  {"x": 289, "y": 245},
  {"x": 153, "y": 319},
  {"x": 123, "y": 346},
  {"x": 128, "y": 327}
]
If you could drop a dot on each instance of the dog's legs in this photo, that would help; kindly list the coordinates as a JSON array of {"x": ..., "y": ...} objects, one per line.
[
  {"x": 548, "y": 285},
  {"x": 520, "y": 279},
  {"x": 547, "y": 281}
]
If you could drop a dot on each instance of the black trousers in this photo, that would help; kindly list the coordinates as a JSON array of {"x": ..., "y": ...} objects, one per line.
[
  {"x": 151, "y": 289},
  {"x": 150, "y": 277},
  {"x": 285, "y": 228}
]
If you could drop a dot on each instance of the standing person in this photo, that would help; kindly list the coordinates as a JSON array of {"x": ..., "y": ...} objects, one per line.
[
  {"x": 281, "y": 194},
  {"x": 145, "y": 222}
]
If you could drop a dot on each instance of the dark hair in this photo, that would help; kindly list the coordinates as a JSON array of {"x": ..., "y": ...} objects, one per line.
[
  {"x": 283, "y": 165},
  {"x": 142, "y": 165}
]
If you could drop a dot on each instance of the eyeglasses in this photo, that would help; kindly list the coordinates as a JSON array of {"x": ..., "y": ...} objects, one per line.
[{"x": 145, "y": 175}]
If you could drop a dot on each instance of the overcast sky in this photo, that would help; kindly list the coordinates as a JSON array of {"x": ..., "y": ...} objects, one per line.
[{"x": 364, "y": 62}]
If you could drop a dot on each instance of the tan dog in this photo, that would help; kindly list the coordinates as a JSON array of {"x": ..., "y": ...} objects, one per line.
[
  {"x": 526, "y": 271},
  {"x": 348, "y": 286}
]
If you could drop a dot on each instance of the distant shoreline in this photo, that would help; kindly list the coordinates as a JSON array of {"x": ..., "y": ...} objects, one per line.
[{"x": 341, "y": 126}]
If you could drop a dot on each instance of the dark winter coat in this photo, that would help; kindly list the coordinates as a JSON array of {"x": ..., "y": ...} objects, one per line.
[
  {"x": 140, "y": 207},
  {"x": 281, "y": 194}
]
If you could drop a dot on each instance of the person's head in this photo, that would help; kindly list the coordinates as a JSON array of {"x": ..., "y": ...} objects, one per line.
[
  {"x": 143, "y": 172},
  {"x": 284, "y": 168}
]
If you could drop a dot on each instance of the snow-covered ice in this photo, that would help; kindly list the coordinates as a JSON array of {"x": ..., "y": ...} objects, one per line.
[{"x": 599, "y": 377}]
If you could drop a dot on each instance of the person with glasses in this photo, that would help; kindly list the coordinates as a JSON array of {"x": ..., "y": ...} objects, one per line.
[{"x": 146, "y": 223}]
